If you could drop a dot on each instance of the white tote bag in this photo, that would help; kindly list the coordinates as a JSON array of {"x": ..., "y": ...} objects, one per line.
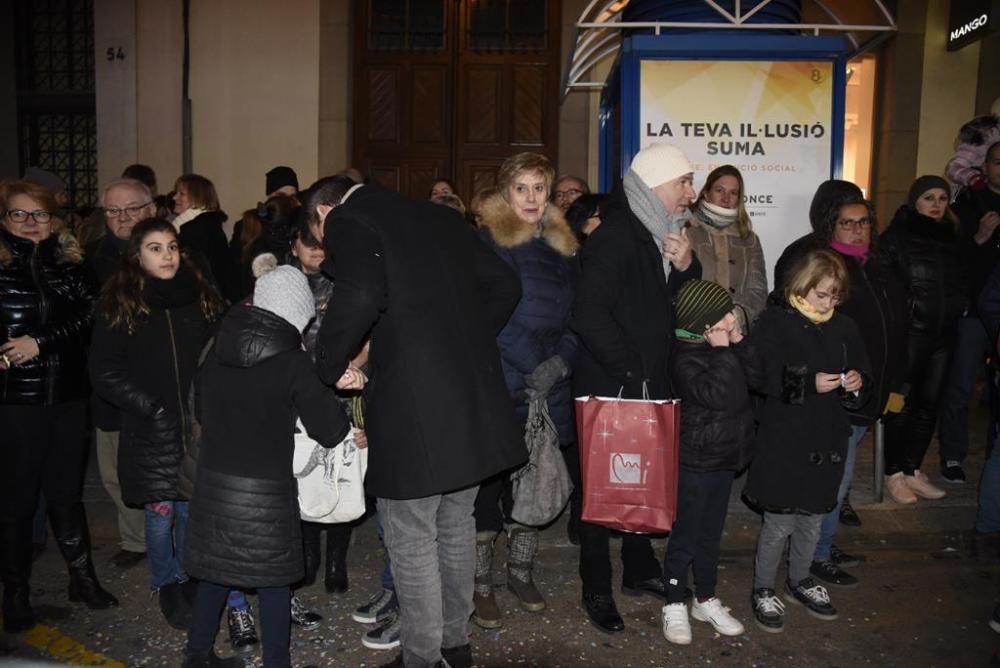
[{"x": 330, "y": 480}]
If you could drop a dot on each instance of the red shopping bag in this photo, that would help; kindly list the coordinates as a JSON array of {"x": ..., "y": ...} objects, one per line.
[{"x": 629, "y": 462}]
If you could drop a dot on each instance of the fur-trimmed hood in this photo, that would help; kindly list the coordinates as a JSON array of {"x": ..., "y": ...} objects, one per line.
[
  {"x": 508, "y": 231},
  {"x": 62, "y": 245}
]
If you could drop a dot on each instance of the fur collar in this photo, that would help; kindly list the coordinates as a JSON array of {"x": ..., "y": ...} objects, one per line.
[
  {"x": 508, "y": 231},
  {"x": 63, "y": 246},
  {"x": 921, "y": 226}
]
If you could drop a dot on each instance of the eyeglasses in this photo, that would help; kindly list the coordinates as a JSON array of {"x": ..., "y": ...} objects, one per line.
[
  {"x": 823, "y": 296},
  {"x": 20, "y": 215},
  {"x": 130, "y": 211},
  {"x": 572, "y": 193},
  {"x": 854, "y": 224}
]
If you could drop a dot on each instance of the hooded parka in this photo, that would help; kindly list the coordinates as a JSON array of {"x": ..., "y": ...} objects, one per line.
[{"x": 244, "y": 528}]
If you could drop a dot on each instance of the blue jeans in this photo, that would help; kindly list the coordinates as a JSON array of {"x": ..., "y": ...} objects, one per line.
[
  {"x": 829, "y": 525},
  {"x": 968, "y": 359},
  {"x": 432, "y": 542},
  {"x": 988, "y": 515},
  {"x": 166, "y": 533}
]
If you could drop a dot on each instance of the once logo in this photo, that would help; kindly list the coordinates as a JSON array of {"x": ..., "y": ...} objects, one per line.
[{"x": 626, "y": 467}]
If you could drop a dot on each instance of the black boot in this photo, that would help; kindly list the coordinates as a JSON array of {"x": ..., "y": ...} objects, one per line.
[
  {"x": 311, "y": 552},
  {"x": 338, "y": 537},
  {"x": 69, "y": 525},
  {"x": 15, "y": 570}
]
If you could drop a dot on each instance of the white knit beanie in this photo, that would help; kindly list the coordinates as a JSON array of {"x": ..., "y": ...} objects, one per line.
[
  {"x": 284, "y": 291},
  {"x": 659, "y": 163}
]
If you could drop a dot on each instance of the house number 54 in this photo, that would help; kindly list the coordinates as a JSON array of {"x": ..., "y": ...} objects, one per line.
[{"x": 114, "y": 53}]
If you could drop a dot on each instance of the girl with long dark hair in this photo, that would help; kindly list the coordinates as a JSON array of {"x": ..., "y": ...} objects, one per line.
[{"x": 154, "y": 316}]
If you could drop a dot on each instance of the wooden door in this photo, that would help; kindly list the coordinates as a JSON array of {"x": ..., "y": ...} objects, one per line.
[{"x": 450, "y": 88}]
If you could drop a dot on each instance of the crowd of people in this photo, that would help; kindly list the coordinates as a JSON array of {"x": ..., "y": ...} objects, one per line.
[{"x": 423, "y": 330}]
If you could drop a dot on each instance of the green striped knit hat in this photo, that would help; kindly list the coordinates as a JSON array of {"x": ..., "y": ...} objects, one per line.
[{"x": 699, "y": 306}]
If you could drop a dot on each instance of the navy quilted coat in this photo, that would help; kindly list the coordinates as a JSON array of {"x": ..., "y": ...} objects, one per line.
[{"x": 539, "y": 326}]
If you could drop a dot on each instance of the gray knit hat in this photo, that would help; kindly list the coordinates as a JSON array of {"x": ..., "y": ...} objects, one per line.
[{"x": 284, "y": 291}]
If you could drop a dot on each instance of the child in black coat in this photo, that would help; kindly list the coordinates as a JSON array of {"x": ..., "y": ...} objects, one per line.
[
  {"x": 713, "y": 366},
  {"x": 816, "y": 370}
]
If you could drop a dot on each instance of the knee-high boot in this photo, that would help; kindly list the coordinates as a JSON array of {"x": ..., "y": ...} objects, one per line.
[
  {"x": 15, "y": 571},
  {"x": 69, "y": 526},
  {"x": 487, "y": 614},
  {"x": 338, "y": 538},
  {"x": 311, "y": 551},
  {"x": 522, "y": 546}
]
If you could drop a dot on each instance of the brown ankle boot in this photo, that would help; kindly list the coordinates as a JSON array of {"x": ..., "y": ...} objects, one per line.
[
  {"x": 522, "y": 545},
  {"x": 487, "y": 615}
]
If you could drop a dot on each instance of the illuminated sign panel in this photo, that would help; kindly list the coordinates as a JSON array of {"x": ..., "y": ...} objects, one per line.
[{"x": 970, "y": 20}]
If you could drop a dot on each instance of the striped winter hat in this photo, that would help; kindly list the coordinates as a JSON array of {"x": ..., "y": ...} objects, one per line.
[{"x": 700, "y": 305}]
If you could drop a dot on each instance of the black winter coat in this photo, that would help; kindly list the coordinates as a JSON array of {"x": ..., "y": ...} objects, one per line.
[
  {"x": 978, "y": 260},
  {"x": 434, "y": 298},
  {"x": 45, "y": 293},
  {"x": 102, "y": 258},
  {"x": 876, "y": 301},
  {"x": 717, "y": 422},
  {"x": 243, "y": 529},
  {"x": 148, "y": 375},
  {"x": 240, "y": 285},
  {"x": 802, "y": 439},
  {"x": 623, "y": 313},
  {"x": 539, "y": 326},
  {"x": 925, "y": 256},
  {"x": 205, "y": 240}
]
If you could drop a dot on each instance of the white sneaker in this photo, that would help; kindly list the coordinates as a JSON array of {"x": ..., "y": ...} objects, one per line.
[
  {"x": 716, "y": 614},
  {"x": 676, "y": 626}
]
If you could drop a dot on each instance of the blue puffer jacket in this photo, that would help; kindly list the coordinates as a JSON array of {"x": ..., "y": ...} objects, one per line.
[{"x": 539, "y": 326}]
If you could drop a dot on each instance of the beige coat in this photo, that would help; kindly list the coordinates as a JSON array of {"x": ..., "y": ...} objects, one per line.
[{"x": 733, "y": 262}]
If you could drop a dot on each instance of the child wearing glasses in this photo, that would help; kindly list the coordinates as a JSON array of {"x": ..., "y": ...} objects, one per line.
[{"x": 815, "y": 367}]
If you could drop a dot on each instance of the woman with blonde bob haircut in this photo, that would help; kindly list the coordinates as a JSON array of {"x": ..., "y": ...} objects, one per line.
[
  {"x": 816, "y": 370},
  {"x": 723, "y": 238},
  {"x": 537, "y": 351}
]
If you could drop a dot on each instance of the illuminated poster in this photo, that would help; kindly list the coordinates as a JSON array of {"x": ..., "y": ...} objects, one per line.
[{"x": 771, "y": 119}]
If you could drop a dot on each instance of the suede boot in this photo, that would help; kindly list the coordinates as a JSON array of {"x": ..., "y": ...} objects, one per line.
[{"x": 522, "y": 546}]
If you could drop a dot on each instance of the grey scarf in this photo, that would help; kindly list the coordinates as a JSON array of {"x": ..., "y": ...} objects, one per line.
[{"x": 652, "y": 214}]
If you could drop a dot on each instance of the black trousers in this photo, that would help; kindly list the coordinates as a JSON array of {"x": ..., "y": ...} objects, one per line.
[
  {"x": 908, "y": 434},
  {"x": 696, "y": 538},
  {"x": 638, "y": 560},
  {"x": 494, "y": 503},
  {"x": 571, "y": 455},
  {"x": 275, "y": 621},
  {"x": 43, "y": 448}
]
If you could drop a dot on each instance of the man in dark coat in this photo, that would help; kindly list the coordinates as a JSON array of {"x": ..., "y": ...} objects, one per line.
[
  {"x": 624, "y": 317},
  {"x": 438, "y": 420},
  {"x": 125, "y": 203},
  {"x": 979, "y": 238}
]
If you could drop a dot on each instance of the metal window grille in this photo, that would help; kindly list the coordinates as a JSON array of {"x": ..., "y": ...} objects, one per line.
[
  {"x": 406, "y": 25},
  {"x": 57, "y": 125}
]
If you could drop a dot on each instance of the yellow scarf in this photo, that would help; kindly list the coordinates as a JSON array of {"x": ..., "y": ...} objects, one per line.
[{"x": 803, "y": 307}]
